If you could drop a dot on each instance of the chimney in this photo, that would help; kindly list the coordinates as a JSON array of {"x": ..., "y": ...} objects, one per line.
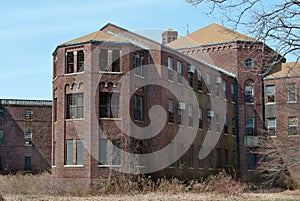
[{"x": 169, "y": 36}]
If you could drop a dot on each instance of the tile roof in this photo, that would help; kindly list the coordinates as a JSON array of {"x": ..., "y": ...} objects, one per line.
[
  {"x": 210, "y": 34},
  {"x": 285, "y": 70},
  {"x": 97, "y": 36}
]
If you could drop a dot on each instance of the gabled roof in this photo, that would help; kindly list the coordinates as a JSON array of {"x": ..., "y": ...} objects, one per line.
[
  {"x": 291, "y": 69},
  {"x": 210, "y": 34},
  {"x": 96, "y": 36}
]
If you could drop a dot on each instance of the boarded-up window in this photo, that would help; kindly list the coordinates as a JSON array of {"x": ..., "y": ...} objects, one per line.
[
  {"x": 69, "y": 152},
  {"x": 103, "y": 152},
  {"x": 79, "y": 152}
]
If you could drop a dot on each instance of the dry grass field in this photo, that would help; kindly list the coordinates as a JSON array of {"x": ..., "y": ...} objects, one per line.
[{"x": 219, "y": 187}]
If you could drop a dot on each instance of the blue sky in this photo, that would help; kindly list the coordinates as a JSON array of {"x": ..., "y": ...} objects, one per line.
[{"x": 30, "y": 31}]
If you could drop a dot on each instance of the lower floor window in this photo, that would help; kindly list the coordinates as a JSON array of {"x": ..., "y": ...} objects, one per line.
[
  {"x": 74, "y": 152},
  {"x": 109, "y": 152},
  {"x": 251, "y": 161}
]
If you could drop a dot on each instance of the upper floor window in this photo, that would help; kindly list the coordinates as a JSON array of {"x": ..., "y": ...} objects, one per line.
[
  {"x": 170, "y": 68},
  {"x": 217, "y": 122},
  {"x": 270, "y": 91},
  {"x": 179, "y": 71},
  {"x": 70, "y": 62},
  {"x": 190, "y": 111},
  {"x": 109, "y": 105},
  {"x": 208, "y": 82},
  {"x": 271, "y": 124},
  {"x": 1, "y": 113},
  {"x": 75, "y": 106},
  {"x": 292, "y": 93},
  {"x": 224, "y": 89},
  {"x": 232, "y": 92},
  {"x": 28, "y": 138},
  {"x": 200, "y": 81},
  {"x": 200, "y": 117},
  {"x": 80, "y": 61},
  {"x": 115, "y": 66},
  {"x": 217, "y": 85},
  {"x": 138, "y": 64},
  {"x": 226, "y": 124},
  {"x": 1, "y": 137},
  {"x": 171, "y": 111},
  {"x": 233, "y": 125},
  {"x": 293, "y": 125},
  {"x": 248, "y": 62},
  {"x": 249, "y": 126},
  {"x": 138, "y": 107},
  {"x": 28, "y": 114},
  {"x": 249, "y": 94},
  {"x": 181, "y": 107},
  {"x": 103, "y": 59}
]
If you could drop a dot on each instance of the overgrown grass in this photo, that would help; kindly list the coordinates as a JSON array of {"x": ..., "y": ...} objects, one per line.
[{"x": 26, "y": 184}]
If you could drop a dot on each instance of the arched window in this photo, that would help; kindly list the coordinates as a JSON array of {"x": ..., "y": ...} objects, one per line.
[{"x": 249, "y": 91}]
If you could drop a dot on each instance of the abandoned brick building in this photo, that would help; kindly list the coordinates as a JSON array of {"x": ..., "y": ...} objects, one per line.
[
  {"x": 25, "y": 135},
  {"x": 221, "y": 67}
]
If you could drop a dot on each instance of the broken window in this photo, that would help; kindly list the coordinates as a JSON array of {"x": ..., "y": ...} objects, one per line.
[{"x": 28, "y": 138}]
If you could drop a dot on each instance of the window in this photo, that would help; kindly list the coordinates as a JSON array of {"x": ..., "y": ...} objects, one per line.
[
  {"x": 115, "y": 66},
  {"x": 200, "y": 117},
  {"x": 103, "y": 59},
  {"x": 69, "y": 152},
  {"x": 74, "y": 106},
  {"x": 271, "y": 124},
  {"x": 179, "y": 71},
  {"x": 218, "y": 122},
  {"x": 53, "y": 154},
  {"x": 190, "y": 79},
  {"x": 226, "y": 124},
  {"x": 138, "y": 107},
  {"x": 191, "y": 156},
  {"x": 109, "y": 105},
  {"x": 248, "y": 62},
  {"x": 171, "y": 154},
  {"x": 233, "y": 125},
  {"x": 28, "y": 138},
  {"x": 224, "y": 89},
  {"x": 201, "y": 162},
  {"x": 226, "y": 157},
  {"x": 170, "y": 68},
  {"x": 292, "y": 95},
  {"x": 232, "y": 91},
  {"x": 79, "y": 152},
  {"x": 210, "y": 160},
  {"x": 181, "y": 107},
  {"x": 1, "y": 137},
  {"x": 138, "y": 64},
  {"x": 251, "y": 161},
  {"x": 270, "y": 89},
  {"x": 27, "y": 164},
  {"x": 70, "y": 62},
  {"x": 179, "y": 153},
  {"x": 190, "y": 115},
  {"x": 208, "y": 82},
  {"x": 200, "y": 81},
  {"x": 293, "y": 125},
  {"x": 28, "y": 114},
  {"x": 249, "y": 126},
  {"x": 80, "y": 61},
  {"x": 109, "y": 153},
  {"x": 249, "y": 94},
  {"x": 1, "y": 113},
  {"x": 171, "y": 111},
  {"x": 217, "y": 86}
]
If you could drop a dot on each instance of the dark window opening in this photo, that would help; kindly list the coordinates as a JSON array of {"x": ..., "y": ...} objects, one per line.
[
  {"x": 28, "y": 114},
  {"x": 171, "y": 111},
  {"x": 138, "y": 107},
  {"x": 27, "y": 164},
  {"x": 103, "y": 60},
  {"x": 115, "y": 61},
  {"x": 80, "y": 61},
  {"x": 109, "y": 105},
  {"x": 70, "y": 62}
]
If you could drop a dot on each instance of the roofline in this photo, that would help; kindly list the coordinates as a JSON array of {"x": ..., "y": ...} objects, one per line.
[
  {"x": 26, "y": 102},
  {"x": 281, "y": 77}
]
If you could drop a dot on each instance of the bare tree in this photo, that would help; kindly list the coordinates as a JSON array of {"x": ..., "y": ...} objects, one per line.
[{"x": 276, "y": 23}]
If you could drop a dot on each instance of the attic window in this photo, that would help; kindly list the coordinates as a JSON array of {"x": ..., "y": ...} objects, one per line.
[{"x": 248, "y": 62}]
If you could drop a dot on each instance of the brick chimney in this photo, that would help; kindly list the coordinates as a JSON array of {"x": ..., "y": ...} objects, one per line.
[{"x": 169, "y": 36}]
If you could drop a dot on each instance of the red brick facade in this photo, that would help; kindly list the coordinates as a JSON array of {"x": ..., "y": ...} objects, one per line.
[{"x": 25, "y": 127}]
